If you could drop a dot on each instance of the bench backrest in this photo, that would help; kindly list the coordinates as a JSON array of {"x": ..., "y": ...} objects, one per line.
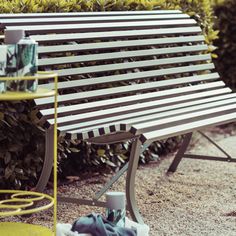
[{"x": 120, "y": 60}]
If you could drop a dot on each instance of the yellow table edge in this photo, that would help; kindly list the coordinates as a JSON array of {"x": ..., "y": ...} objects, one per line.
[
  {"x": 22, "y": 229},
  {"x": 40, "y": 93},
  {"x": 40, "y": 75},
  {"x": 14, "y": 96}
]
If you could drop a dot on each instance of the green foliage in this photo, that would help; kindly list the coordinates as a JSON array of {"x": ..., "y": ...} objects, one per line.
[
  {"x": 217, "y": 2},
  {"x": 201, "y": 10},
  {"x": 21, "y": 146},
  {"x": 226, "y": 44},
  {"x": 22, "y": 141}
]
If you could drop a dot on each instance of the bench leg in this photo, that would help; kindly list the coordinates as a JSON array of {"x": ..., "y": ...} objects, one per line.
[
  {"x": 227, "y": 158},
  {"x": 116, "y": 177},
  {"x": 130, "y": 181},
  {"x": 48, "y": 161},
  {"x": 180, "y": 153},
  {"x": 216, "y": 145},
  {"x": 113, "y": 180}
]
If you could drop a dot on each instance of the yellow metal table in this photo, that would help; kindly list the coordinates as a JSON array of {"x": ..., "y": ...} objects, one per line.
[{"x": 28, "y": 202}]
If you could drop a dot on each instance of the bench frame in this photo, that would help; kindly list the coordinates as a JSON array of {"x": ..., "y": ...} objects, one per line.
[{"x": 137, "y": 146}]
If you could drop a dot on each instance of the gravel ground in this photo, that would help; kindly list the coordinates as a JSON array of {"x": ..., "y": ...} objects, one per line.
[{"x": 199, "y": 199}]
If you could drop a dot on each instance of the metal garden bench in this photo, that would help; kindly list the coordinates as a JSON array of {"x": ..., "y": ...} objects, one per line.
[{"x": 143, "y": 76}]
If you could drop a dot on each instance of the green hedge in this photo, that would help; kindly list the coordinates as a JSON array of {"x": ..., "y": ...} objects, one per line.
[
  {"x": 20, "y": 162},
  {"x": 199, "y": 9},
  {"x": 226, "y": 44},
  {"x": 21, "y": 146}
]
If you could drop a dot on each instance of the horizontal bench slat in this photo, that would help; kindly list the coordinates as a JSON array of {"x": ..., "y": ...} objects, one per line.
[
  {"x": 139, "y": 75},
  {"x": 115, "y": 91},
  {"x": 118, "y": 44},
  {"x": 132, "y": 65},
  {"x": 180, "y": 119},
  {"x": 103, "y": 26},
  {"x": 85, "y": 14},
  {"x": 70, "y": 20},
  {"x": 119, "y": 78},
  {"x": 187, "y": 127},
  {"x": 76, "y": 96},
  {"x": 119, "y": 55},
  {"x": 144, "y": 105},
  {"x": 219, "y": 105},
  {"x": 151, "y": 114},
  {"x": 162, "y": 122},
  {"x": 119, "y": 34},
  {"x": 70, "y": 109}
]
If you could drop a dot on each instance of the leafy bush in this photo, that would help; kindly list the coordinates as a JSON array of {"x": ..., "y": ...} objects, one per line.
[
  {"x": 75, "y": 155},
  {"x": 201, "y": 10},
  {"x": 21, "y": 146},
  {"x": 226, "y": 43}
]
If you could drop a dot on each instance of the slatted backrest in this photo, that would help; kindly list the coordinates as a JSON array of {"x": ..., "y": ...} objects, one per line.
[
  {"x": 84, "y": 17},
  {"x": 77, "y": 19},
  {"x": 113, "y": 63}
]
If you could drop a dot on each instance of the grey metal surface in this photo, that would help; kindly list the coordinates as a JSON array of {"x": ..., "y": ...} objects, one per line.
[
  {"x": 149, "y": 104},
  {"x": 128, "y": 125},
  {"x": 122, "y": 54},
  {"x": 102, "y": 27},
  {"x": 188, "y": 127},
  {"x": 132, "y": 76},
  {"x": 74, "y": 109},
  {"x": 229, "y": 158},
  {"x": 79, "y": 19},
  {"x": 135, "y": 76},
  {"x": 55, "y": 38},
  {"x": 113, "y": 180},
  {"x": 86, "y": 116},
  {"x": 131, "y": 65},
  {"x": 130, "y": 181},
  {"x": 156, "y": 124},
  {"x": 48, "y": 161},
  {"x": 81, "y": 201},
  {"x": 182, "y": 153},
  {"x": 126, "y": 121},
  {"x": 179, "y": 155},
  {"x": 109, "y": 79},
  {"x": 209, "y": 158}
]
